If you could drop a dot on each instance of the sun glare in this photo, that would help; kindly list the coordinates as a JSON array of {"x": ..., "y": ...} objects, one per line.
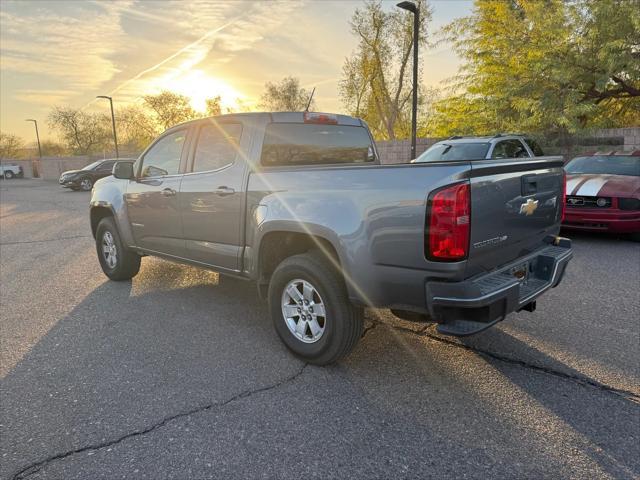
[{"x": 199, "y": 86}]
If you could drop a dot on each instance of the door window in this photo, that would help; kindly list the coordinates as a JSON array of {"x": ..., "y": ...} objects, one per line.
[
  {"x": 217, "y": 146},
  {"x": 105, "y": 167},
  {"x": 164, "y": 156},
  {"x": 509, "y": 149},
  {"x": 535, "y": 147}
]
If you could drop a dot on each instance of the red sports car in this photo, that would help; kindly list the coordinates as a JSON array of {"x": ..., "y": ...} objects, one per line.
[{"x": 603, "y": 193}]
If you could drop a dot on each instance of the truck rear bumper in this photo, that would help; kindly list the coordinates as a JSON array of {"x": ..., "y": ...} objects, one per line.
[{"x": 468, "y": 307}]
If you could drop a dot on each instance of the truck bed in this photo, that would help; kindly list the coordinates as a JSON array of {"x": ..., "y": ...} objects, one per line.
[{"x": 375, "y": 217}]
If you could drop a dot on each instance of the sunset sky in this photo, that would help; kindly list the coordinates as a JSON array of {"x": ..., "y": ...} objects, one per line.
[{"x": 67, "y": 52}]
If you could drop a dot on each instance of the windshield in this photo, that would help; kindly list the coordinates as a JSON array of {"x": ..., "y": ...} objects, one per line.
[
  {"x": 454, "y": 151},
  {"x": 605, "y": 164},
  {"x": 93, "y": 165}
]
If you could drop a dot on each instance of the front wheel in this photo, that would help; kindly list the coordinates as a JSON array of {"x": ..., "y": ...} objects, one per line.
[
  {"x": 8, "y": 175},
  {"x": 311, "y": 310},
  {"x": 117, "y": 261}
]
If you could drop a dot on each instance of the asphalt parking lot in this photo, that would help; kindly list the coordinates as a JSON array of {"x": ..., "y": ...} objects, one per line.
[{"x": 179, "y": 373}]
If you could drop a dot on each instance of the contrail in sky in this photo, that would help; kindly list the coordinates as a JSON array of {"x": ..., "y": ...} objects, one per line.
[{"x": 171, "y": 57}]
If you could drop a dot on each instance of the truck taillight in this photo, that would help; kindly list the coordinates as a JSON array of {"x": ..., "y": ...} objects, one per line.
[
  {"x": 448, "y": 223},
  {"x": 564, "y": 195}
]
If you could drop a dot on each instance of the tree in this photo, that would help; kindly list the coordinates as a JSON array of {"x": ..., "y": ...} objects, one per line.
[
  {"x": 83, "y": 133},
  {"x": 10, "y": 145},
  {"x": 544, "y": 66},
  {"x": 285, "y": 96},
  {"x": 377, "y": 78},
  {"x": 214, "y": 107},
  {"x": 136, "y": 128},
  {"x": 51, "y": 148},
  {"x": 169, "y": 108}
]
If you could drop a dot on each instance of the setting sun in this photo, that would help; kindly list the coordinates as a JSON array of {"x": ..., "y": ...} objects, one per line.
[{"x": 199, "y": 86}]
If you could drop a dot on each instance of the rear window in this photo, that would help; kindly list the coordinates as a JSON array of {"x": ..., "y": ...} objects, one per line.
[
  {"x": 454, "y": 151},
  {"x": 605, "y": 164},
  {"x": 315, "y": 144}
]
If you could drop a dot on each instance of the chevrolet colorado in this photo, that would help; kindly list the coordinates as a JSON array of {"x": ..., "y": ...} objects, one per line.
[{"x": 299, "y": 203}]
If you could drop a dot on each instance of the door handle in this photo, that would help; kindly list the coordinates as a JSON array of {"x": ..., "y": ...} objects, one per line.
[
  {"x": 224, "y": 191},
  {"x": 529, "y": 185},
  {"x": 168, "y": 192}
]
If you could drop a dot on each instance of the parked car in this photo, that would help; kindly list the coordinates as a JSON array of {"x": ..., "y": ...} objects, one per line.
[
  {"x": 298, "y": 203},
  {"x": 10, "y": 171},
  {"x": 603, "y": 193},
  {"x": 84, "y": 178},
  {"x": 481, "y": 148}
]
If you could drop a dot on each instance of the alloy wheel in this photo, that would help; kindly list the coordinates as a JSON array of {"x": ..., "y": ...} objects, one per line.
[
  {"x": 109, "y": 250},
  {"x": 303, "y": 311}
]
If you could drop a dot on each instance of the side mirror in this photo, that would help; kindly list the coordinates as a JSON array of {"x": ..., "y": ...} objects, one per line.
[{"x": 123, "y": 170}]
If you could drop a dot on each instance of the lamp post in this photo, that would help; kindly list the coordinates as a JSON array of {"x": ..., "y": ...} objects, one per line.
[
  {"x": 113, "y": 123},
  {"x": 35, "y": 122},
  {"x": 413, "y": 8}
]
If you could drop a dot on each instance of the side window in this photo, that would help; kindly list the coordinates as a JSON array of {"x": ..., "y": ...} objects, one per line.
[
  {"x": 509, "y": 149},
  {"x": 217, "y": 146},
  {"x": 499, "y": 150},
  {"x": 535, "y": 148},
  {"x": 106, "y": 167},
  {"x": 164, "y": 156}
]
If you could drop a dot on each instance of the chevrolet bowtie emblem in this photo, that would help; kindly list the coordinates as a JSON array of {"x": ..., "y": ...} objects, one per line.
[{"x": 528, "y": 207}]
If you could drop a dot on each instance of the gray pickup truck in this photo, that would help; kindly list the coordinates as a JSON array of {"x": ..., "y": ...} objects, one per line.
[{"x": 298, "y": 203}]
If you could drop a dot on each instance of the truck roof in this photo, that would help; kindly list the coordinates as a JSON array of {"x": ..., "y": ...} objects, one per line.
[
  {"x": 481, "y": 138},
  {"x": 291, "y": 117}
]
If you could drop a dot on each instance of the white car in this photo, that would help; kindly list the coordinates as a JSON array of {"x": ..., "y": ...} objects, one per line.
[{"x": 11, "y": 171}]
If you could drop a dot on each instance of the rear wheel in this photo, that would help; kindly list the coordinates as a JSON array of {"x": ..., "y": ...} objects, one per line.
[
  {"x": 117, "y": 261},
  {"x": 86, "y": 184},
  {"x": 635, "y": 236},
  {"x": 311, "y": 310},
  {"x": 8, "y": 174}
]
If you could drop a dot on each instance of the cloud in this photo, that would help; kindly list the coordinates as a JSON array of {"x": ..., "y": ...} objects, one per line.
[
  {"x": 62, "y": 53},
  {"x": 231, "y": 30},
  {"x": 43, "y": 97},
  {"x": 72, "y": 50}
]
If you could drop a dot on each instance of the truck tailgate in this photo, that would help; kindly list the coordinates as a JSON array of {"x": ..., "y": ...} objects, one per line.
[{"x": 515, "y": 203}]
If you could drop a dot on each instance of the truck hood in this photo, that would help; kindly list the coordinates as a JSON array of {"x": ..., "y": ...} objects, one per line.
[{"x": 589, "y": 185}]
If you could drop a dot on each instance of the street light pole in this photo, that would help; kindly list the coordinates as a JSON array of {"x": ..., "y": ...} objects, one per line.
[
  {"x": 35, "y": 122},
  {"x": 113, "y": 123},
  {"x": 413, "y": 8}
]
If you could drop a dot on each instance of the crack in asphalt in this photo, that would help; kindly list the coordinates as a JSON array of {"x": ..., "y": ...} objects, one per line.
[
  {"x": 368, "y": 329},
  {"x": 21, "y": 242},
  {"x": 35, "y": 467},
  {"x": 584, "y": 381}
]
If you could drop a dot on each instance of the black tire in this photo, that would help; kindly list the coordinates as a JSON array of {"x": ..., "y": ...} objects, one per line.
[
  {"x": 86, "y": 184},
  {"x": 127, "y": 263},
  {"x": 8, "y": 175},
  {"x": 635, "y": 237},
  {"x": 343, "y": 324}
]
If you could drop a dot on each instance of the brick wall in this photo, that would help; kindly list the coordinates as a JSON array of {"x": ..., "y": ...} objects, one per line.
[
  {"x": 399, "y": 151},
  {"x": 631, "y": 136}
]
